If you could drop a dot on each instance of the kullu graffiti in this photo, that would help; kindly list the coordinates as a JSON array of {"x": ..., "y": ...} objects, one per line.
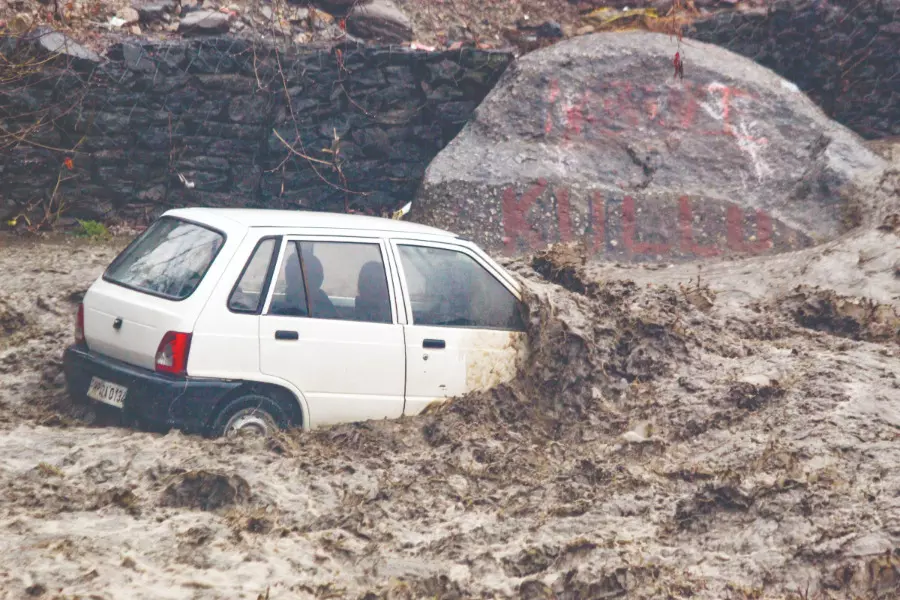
[
  {"x": 630, "y": 226},
  {"x": 627, "y": 225},
  {"x": 613, "y": 107}
]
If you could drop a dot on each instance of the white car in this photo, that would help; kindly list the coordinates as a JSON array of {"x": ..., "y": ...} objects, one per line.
[{"x": 217, "y": 320}]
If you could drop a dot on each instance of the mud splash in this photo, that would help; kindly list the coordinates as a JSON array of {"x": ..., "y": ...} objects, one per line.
[
  {"x": 855, "y": 318},
  {"x": 11, "y": 320}
]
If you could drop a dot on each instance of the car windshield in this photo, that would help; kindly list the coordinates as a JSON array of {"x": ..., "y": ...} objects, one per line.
[{"x": 169, "y": 259}]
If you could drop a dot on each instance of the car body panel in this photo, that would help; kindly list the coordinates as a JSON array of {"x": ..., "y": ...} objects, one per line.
[
  {"x": 348, "y": 370},
  {"x": 186, "y": 402},
  {"x": 472, "y": 359}
]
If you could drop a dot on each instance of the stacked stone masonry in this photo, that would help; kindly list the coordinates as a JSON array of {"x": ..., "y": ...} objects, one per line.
[
  {"x": 198, "y": 123},
  {"x": 845, "y": 54}
]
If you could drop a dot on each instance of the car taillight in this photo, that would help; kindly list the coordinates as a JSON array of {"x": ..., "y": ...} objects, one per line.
[
  {"x": 172, "y": 354},
  {"x": 79, "y": 325}
]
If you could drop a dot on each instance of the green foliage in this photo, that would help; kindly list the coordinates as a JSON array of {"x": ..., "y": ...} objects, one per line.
[{"x": 93, "y": 230}]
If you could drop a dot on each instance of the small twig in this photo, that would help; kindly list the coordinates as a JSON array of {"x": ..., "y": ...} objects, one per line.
[
  {"x": 297, "y": 153},
  {"x": 304, "y": 154},
  {"x": 25, "y": 140}
]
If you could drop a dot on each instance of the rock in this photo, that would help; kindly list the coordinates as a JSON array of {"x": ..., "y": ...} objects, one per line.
[
  {"x": 20, "y": 23},
  {"x": 661, "y": 6},
  {"x": 155, "y": 12},
  {"x": 58, "y": 43},
  {"x": 381, "y": 21},
  {"x": 593, "y": 139},
  {"x": 204, "y": 22},
  {"x": 339, "y": 7},
  {"x": 320, "y": 20},
  {"x": 528, "y": 38},
  {"x": 299, "y": 15},
  {"x": 128, "y": 15},
  {"x": 135, "y": 30},
  {"x": 547, "y": 29},
  {"x": 550, "y": 30}
]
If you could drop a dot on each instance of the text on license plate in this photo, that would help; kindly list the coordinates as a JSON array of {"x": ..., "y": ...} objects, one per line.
[{"x": 106, "y": 392}]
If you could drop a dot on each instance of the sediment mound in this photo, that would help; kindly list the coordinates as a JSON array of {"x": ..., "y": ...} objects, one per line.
[{"x": 594, "y": 139}]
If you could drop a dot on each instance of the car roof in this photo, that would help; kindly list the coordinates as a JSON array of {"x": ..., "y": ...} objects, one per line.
[{"x": 267, "y": 217}]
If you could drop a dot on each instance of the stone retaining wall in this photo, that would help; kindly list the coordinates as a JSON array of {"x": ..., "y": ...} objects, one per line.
[
  {"x": 195, "y": 122},
  {"x": 845, "y": 54}
]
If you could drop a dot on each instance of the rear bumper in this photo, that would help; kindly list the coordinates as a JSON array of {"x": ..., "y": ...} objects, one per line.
[{"x": 184, "y": 403}]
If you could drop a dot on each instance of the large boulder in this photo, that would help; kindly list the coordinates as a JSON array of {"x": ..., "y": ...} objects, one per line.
[{"x": 596, "y": 139}]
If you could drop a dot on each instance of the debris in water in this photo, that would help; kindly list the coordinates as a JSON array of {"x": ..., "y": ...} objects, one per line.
[{"x": 206, "y": 490}]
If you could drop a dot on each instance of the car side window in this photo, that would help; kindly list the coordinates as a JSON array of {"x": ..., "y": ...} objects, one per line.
[
  {"x": 450, "y": 288},
  {"x": 339, "y": 280},
  {"x": 248, "y": 293}
]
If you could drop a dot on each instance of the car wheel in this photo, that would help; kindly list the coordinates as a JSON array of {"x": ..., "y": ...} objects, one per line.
[{"x": 249, "y": 415}]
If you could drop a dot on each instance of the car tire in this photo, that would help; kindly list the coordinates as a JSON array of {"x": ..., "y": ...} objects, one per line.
[{"x": 252, "y": 413}]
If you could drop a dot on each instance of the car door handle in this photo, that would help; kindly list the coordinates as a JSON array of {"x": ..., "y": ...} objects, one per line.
[
  {"x": 286, "y": 335},
  {"x": 434, "y": 344}
]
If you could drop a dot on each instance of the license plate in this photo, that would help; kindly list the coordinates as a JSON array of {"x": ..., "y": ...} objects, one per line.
[{"x": 106, "y": 392}]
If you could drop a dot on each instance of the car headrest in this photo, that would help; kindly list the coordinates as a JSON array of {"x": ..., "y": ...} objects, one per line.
[
  {"x": 371, "y": 279},
  {"x": 315, "y": 274}
]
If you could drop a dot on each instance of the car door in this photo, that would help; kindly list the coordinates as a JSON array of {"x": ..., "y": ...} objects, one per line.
[
  {"x": 465, "y": 325},
  {"x": 339, "y": 344}
]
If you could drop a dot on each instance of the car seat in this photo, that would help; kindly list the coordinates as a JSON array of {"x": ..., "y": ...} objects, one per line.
[
  {"x": 373, "y": 300},
  {"x": 320, "y": 305}
]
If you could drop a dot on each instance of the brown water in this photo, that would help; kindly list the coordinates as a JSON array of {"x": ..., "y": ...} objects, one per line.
[{"x": 732, "y": 439}]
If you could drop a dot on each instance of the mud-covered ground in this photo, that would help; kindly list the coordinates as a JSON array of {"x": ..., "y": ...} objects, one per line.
[{"x": 733, "y": 439}]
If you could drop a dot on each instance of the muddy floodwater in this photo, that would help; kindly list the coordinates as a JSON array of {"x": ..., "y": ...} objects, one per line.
[{"x": 735, "y": 437}]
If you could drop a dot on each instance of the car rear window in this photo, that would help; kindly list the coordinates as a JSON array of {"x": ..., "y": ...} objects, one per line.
[{"x": 169, "y": 259}]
